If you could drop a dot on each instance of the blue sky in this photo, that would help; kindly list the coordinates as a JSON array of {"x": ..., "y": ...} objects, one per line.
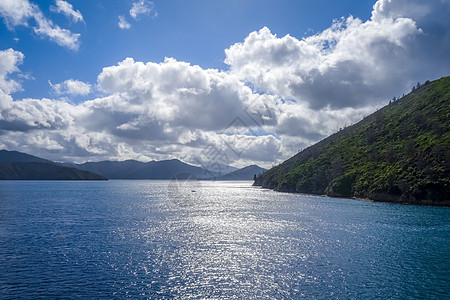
[
  {"x": 241, "y": 82},
  {"x": 194, "y": 31}
]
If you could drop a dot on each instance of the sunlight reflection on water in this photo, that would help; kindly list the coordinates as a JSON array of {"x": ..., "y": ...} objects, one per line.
[{"x": 191, "y": 239}]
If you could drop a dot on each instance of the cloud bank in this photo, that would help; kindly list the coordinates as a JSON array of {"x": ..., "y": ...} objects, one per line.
[
  {"x": 352, "y": 63},
  {"x": 279, "y": 94}
]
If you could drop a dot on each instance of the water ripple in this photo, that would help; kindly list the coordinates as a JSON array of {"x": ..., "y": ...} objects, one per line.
[{"x": 158, "y": 239}]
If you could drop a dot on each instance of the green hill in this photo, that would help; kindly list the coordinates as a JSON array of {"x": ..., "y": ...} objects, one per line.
[{"x": 401, "y": 153}]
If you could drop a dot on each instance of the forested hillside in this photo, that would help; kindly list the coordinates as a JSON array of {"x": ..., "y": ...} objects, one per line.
[{"x": 401, "y": 153}]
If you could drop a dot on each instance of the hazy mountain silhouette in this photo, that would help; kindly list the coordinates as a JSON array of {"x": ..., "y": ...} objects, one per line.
[
  {"x": 20, "y": 166},
  {"x": 132, "y": 169},
  {"x": 165, "y": 169},
  {"x": 16, "y": 165},
  {"x": 246, "y": 173}
]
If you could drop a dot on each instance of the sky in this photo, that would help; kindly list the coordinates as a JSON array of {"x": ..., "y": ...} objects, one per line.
[{"x": 230, "y": 82}]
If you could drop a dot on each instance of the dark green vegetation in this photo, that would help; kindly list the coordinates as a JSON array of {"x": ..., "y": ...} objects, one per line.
[
  {"x": 20, "y": 166},
  {"x": 246, "y": 173},
  {"x": 401, "y": 153}
]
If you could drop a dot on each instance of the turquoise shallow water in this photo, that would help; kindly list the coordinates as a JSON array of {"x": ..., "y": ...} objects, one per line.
[{"x": 169, "y": 239}]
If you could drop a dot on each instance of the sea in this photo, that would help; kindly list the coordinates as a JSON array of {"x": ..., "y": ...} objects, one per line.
[{"x": 179, "y": 239}]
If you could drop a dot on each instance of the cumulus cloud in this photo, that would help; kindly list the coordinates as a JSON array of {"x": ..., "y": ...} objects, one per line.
[
  {"x": 279, "y": 95},
  {"x": 123, "y": 24},
  {"x": 66, "y": 9},
  {"x": 20, "y": 12},
  {"x": 32, "y": 114},
  {"x": 346, "y": 64},
  {"x": 71, "y": 87},
  {"x": 173, "y": 91},
  {"x": 9, "y": 61},
  {"x": 152, "y": 109},
  {"x": 142, "y": 7},
  {"x": 26, "y": 114}
]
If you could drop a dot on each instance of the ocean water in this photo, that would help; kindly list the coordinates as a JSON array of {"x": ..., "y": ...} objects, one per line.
[{"x": 189, "y": 239}]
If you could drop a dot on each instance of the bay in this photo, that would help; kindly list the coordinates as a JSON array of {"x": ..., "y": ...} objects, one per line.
[{"x": 193, "y": 239}]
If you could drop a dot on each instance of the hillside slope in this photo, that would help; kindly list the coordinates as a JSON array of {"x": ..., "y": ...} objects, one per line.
[
  {"x": 401, "y": 153},
  {"x": 19, "y": 157},
  {"x": 20, "y": 166}
]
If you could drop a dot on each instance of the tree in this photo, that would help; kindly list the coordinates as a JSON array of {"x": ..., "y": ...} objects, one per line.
[
  {"x": 370, "y": 136},
  {"x": 391, "y": 155},
  {"x": 254, "y": 177},
  {"x": 420, "y": 121},
  {"x": 410, "y": 148}
]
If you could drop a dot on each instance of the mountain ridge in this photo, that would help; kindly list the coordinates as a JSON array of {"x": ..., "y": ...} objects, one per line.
[
  {"x": 16, "y": 165},
  {"x": 132, "y": 169}
]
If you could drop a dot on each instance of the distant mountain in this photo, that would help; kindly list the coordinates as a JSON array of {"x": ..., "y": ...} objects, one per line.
[
  {"x": 401, "y": 153},
  {"x": 19, "y": 157},
  {"x": 218, "y": 169},
  {"x": 113, "y": 169},
  {"x": 246, "y": 173},
  {"x": 20, "y": 166},
  {"x": 131, "y": 169},
  {"x": 17, "y": 165}
]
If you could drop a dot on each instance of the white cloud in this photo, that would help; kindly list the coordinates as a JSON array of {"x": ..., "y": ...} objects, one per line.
[
  {"x": 20, "y": 12},
  {"x": 304, "y": 90},
  {"x": 174, "y": 92},
  {"x": 62, "y": 37},
  {"x": 66, "y": 9},
  {"x": 16, "y": 12},
  {"x": 9, "y": 60},
  {"x": 123, "y": 24},
  {"x": 71, "y": 87},
  {"x": 26, "y": 114},
  {"x": 347, "y": 64},
  {"x": 142, "y": 7},
  {"x": 153, "y": 108}
]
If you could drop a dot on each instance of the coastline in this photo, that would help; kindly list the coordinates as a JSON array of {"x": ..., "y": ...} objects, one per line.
[{"x": 367, "y": 199}]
